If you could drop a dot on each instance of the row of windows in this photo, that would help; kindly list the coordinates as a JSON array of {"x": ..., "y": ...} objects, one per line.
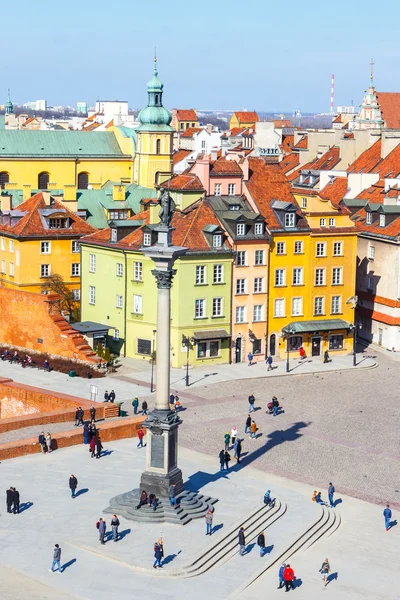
[
  {"x": 298, "y": 278},
  {"x": 258, "y": 285},
  {"x": 241, "y": 313},
  {"x": 320, "y": 248},
  {"x": 241, "y": 258},
  {"x": 45, "y": 269},
  {"x": 297, "y": 306},
  {"x": 241, "y": 228},
  {"x": 218, "y": 189},
  {"x": 295, "y": 342},
  {"x": 45, "y": 247},
  {"x": 44, "y": 178},
  {"x": 201, "y": 274}
]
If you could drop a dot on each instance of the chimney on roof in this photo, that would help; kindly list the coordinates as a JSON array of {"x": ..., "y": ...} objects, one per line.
[
  {"x": 6, "y": 202},
  {"x": 209, "y": 127},
  {"x": 46, "y": 197},
  {"x": 214, "y": 153},
  {"x": 118, "y": 192},
  {"x": 26, "y": 191}
]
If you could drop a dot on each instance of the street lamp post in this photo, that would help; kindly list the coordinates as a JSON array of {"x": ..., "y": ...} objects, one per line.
[
  {"x": 354, "y": 328},
  {"x": 289, "y": 331},
  {"x": 186, "y": 343},
  {"x": 152, "y": 361}
]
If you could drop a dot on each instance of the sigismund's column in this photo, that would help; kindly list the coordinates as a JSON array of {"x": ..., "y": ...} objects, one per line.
[{"x": 162, "y": 427}]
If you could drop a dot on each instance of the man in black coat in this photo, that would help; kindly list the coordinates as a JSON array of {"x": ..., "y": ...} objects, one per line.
[
  {"x": 248, "y": 423},
  {"x": 9, "y": 499},
  {"x": 80, "y": 415},
  {"x": 92, "y": 413},
  {"x": 221, "y": 460},
  {"x": 73, "y": 484},
  {"x": 112, "y": 396},
  {"x": 242, "y": 541},
  {"x": 144, "y": 407},
  {"x": 16, "y": 501},
  {"x": 99, "y": 447}
]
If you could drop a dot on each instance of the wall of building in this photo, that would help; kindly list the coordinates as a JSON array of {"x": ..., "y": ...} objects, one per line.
[{"x": 150, "y": 167}]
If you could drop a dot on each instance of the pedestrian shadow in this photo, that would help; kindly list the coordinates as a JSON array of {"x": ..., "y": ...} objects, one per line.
[
  {"x": 297, "y": 582},
  {"x": 331, "y": 577},
  {"x": 82, "y": 491},
  {"x": 217, "y": 527},
  {"x": 268, "y": 549},
  {"x": 276, "y": 438},
  {"x": 106, "y": 452},
  {"x": 392, "y": 524},
  {"x": 122, "y": 534},
  {"x": 249, "y": 548},
  {"x": 168, "y": 559},
  {"x": 338, "y": 501},
  {"x": 68, "y": 564},
  {"x": 25, "y": 506},
  {"x": 258, "y": 435}
]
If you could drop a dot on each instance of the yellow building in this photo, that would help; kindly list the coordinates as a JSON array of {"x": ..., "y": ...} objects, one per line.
[
  {"x": 243, "y": 119},
  {"x": 37, "y": 240}
]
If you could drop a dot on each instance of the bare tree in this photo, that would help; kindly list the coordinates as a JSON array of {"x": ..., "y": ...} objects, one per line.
[{"x": 55, "y": 284}]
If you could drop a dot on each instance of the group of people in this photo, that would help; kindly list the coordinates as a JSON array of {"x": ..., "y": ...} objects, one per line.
[
  {"x": 147, "y": 499},
  {"x": 101, "y": 525},
  {"x": 12, "y": 500},
  {"x": 316, "y": 497},
  {"x": 135, "y": 404},
  {"x": 26, "y": 361},
  {"x": 45, "y": 442},
  {"x": 224, "y": 456},
  {"x": 109, "y": 397}
]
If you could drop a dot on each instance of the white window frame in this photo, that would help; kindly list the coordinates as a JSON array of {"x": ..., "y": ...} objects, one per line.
[
  {"x": 217, "y": 189},
  {"x": 336, "y": 302},
  {"x": 217, "y": 307},
  {"x": 200, "y": 308},
  {"x": 92, "y": 294},
  {"x": 218, "y": 274},
  {"x": 11, "y": 245},
  {"x": 75, "y": 247},
  {"x": 207, "y": 345},
  {"x": 322, "y": 222},
  {"x": 257, "y": 313},
  {"x": 368, "y": 217},
  {"x": 75, "y": 269},
  {"x": 382, "y": 221},
  {"x": 259, "y": 258},
  {"x": 304, "y": 203},
  {"x": 241, "y": 286},
  {"x": 114, "y": 236},
  {"x": 217, "y": 240},
  {"x": 258, "y": 228},
  {"x": 318, "y": 279},
  {"x": 147, "y": 239},
  {"x": 240, "y": 229},
  {"x": 200, "y": 277},
  {"x": 297, "y": 300},
  {"x": 319, "y": 302},
  {"x": 231, "y": 189},
  {"x": 119, "y": 301},
  {"x": 281, "y": 248},
  {"x": 301, "y": 247},
  {"x": 45, "y": 270},
  {"x": 371, "y": 252},
  {"x": 137, "y": 304},
  {"x": 44, "y": 246},
  {"x": 281, "y": 303},
  {"x": 11, "y": 269},
  {"x": 241, "y": 258},
  {"x": 337, "y": 248},
  {"x": 258, "y": 285},
  {"x": 120, "y": 269},
  {"x": 3, "y": 243},
  {"x": 290, "y": 220},
  {"x": 240, "y": 314},
  {"x": 3, "y": 266},
  {"x": 320, "y": 249},
  {"x": 337, "y": 280},
  {"x": 92, "y": 263},
  {"x": 137, "y": 271},
  {"x": 332, "y": 222},
  {"x": 298, "y": 276},
  {"x": 280, "y": 277}
]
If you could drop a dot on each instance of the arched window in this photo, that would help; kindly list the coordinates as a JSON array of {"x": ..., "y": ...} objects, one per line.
[
  {"x": 83, "y": 181},
  {"x": 156, "y": 99},
  {"x": 158, "y": 147},
  {"x": 43, "y": 181},
  {"x": 4, "y": 178}
]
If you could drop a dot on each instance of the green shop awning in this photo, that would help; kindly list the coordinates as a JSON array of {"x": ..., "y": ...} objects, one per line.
[
  {"x": 211, "y": 334},
  {"x": 315, "y": 326}
]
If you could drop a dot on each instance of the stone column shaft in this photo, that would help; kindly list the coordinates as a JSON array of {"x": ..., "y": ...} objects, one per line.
[{"x": 163, "y": 348}]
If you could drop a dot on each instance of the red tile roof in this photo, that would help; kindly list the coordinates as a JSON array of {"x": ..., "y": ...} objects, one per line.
[
  {"x": 190, "y": 131},
  {"x": 392, "y": 229},
  {"x": 287, "y": 143},
  {"x": 180, "y": 155},
  {"x": 389, "y": 167},
  {"x": 389, "y": 104},
  {"x": 278, "y": 124},
  {"x": 33, "y": 223},
  {"x": 289, "y": 162},
  {"x": 188, "y": 229},
  {"x": 302, "y": 144},
  {"x": 338, "y": 119},
  {"x": 222, "y": 166},
  {"x": 367, "y": 160},
  {"x": 185, "y": 182},
  {"x": 335, "y": 192},
  {"x": 326, "y": 162},
  {"x": 246, "y": 116},
  {"x": 237, "y": 131},
  {"x": 376, "y": 192},
  {"x": 186, "y": 114}
]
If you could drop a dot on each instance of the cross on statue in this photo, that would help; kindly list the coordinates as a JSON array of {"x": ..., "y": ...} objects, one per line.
[{"x": 372, "y": 70}]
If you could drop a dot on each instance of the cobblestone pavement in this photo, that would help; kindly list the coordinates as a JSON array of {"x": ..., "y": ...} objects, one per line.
[{"x": 27, "y": 432}]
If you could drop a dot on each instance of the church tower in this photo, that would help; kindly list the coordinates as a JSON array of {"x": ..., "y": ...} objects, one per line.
[
  {"x": 370, "y": 116},
  {"x": 9, "y": 105},
  {"x": 154, "y": 142}
]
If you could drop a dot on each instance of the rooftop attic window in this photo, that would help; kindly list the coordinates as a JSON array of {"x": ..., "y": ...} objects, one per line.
[
  {"x": 381, "y": 220},
  {"x": 113, "y": 235},
  {"x": 217, "y": 240},
  {"x": 147, "y": 239},
  {"x": 368, "y": 219},
  {"x": 58, "y": 223},
  {"x": 240, "y": 229},
  {"x": 234, "y": 207},
  {"x": 290, "y": 220}
]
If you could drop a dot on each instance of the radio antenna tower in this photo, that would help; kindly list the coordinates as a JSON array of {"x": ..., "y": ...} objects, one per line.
[{"x": 332, "y": 95}]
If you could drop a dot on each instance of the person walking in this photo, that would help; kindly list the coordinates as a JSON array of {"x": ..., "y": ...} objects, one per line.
[
  {"x": 157, "y": 555},
  {"x": 92, "y": 413},
  {"x": 233, "y": 434},
  {"x": 331, "y": 491},
  {"x": 387, "y": 513},
  {"x": 144, "y": 407},
  {"x": 9, "y": 499},
  {"x": 172, "y": 494},
  {"x": 238, "y": 449},
  {"x": 269, "y": 362},
  {"x": 209, "y": 520},
  {"x": 56, "y": 559},
  {"x": 326, "y": 356},
  {"x": 92, "y": 446},
  {"x": 102, "y": 530},
  {"x": 221, "y": 460},
  {"x": 77, "y": 417},
  {"x": 248, "y": 424},
  {"x": 114, "y": 526},
  {"x": 275, "y": 405},
  {"x": 227, "y": 458},
  {"x": 288, "y": 576},
  {"x": 227, "y": 440},
  {"x": 86, "y": 433},
  {"x": 261, "y": 543},
  {"x": 111, "y": 397},
  {"x": 80, "y": 416},
  {"x": 281, "y": 580},
  {"x": 250, "y": 358},
  {"x": 242, "y": 541},
  {"x": 140, "y": 435},
  {"x": 73, "y": 484},
  {"x": 302, "y": 353},
  {"x": 48, "y": 442},
  {"x": 99, "y": 447},
  {"x": 253, "y": 428},
  {"x": 42, "y": 441},
  {"x": 15, "y": 498},
  {"x": 135, "y": 404},
  {"x": 251, "y": 402},
  {"x": 325, "y": 570},
  {"x": 106, "y": 396}
]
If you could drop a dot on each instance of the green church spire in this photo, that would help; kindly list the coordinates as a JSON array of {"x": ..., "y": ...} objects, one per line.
[{"x": 9, "y": 105}]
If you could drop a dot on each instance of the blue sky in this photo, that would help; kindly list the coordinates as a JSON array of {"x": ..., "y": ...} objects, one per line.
[{"x": 212, "y": 55}]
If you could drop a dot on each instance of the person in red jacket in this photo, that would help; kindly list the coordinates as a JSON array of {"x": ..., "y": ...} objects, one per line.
[
  {"x": 288, "y": 576},
  {"x": 140, "y": 435}
]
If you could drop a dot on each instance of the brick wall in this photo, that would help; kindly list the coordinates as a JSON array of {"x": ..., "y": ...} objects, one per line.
[
  {"x": 26, "y": 317},
  {"x": 117, "y": 430}
]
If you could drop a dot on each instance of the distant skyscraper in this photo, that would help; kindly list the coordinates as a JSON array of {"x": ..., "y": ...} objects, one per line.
[{"x": 81, "y": 108}]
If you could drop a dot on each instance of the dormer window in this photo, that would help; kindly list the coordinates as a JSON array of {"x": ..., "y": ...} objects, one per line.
[
  {"x": 381, "y": 220},
  {"x": 290, "y": 220},
  {"x": 147, "y": 239},
  {"x": 369, "y": 218},
  {"x": 217, "y": 240},
  {"x": 113, "y": 235},
  {"x": 259, "y": 228},
  {"x": 234, "y": 207},
  {"x": 58, "y": 223},
  {"x": 240, "y": 229}
]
